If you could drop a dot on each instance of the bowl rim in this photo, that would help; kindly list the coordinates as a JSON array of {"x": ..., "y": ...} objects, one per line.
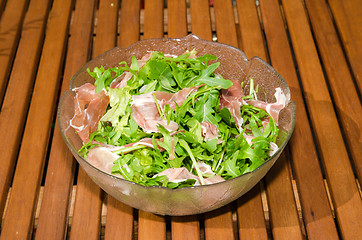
[{"x": 196, "y": 38}]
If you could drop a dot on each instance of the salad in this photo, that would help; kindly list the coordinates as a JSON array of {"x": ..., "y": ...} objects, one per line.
[{"x": 172, "y": 121}]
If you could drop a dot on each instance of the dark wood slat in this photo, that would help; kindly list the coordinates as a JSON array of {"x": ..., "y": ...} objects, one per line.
[
  {"x": 187, "y": 228},
  {"x": 344, "y": 92},
  {"x": 225, "y": 22},
  {"x": 200, "y": 19},
  {"x": 347, "y": 15},
  {"x": 177, "y": 22},
  {"x": 344, "y": 192},
  {"x": 16, "y": 101},
  {"x": 151, "y": 226},
  {"x": 117, "y": 212},
  {"x": 31, "y": 157},
  {"x": 283, "y": 209},
  {"x": 218, "y": 224},
  {"x": 316, "y": 212},
  {"x": 250, "y": 210},
  {"x": 129, "y": 27},
  {"x": 2, "y": 5},
  {"x": 153, "y": 26},
  {"x": 10, "y": 27},
  {"x": 59, "y": 179}
]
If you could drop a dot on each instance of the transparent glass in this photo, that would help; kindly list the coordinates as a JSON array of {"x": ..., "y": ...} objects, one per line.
[{"x": 190, "y": 200}]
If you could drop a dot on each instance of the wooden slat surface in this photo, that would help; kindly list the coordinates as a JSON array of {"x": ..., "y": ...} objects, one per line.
[
  {"x": 250, "y": 210},
  {"x": 88, "y": 203},
  {"x": 310, "y": 193},
  {"x": 333, "y": 152},
  {"x": 200, "y": 19},
  {"x": 316, "y": 212},
  {"x": 10, "y": 27},
  {"x": 31, "y": 158},
  {"x": 347, "y": 16},
  {"x": 16, "y": 101},
  {"x": 59, "y": 177},
  {"x": 335, "y": 65}
]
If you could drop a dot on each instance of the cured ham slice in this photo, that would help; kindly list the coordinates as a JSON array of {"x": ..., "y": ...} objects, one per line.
[
  {"x": 177, "y": 175},
  {"x": 272, "y": 108},
  {"x": 209, "y": 131},
  {"x": 231, "y": 99},
  {"x": 121, "y": 81},
  {"x": 89, "y": 107},
  {"x": 102, "y": 158},
  {"x": 146, "y": 113}
]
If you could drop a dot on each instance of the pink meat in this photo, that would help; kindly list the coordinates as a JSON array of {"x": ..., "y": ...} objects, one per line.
[
  {"x": 102, "y": 158},
  {"x": 209, "y": 131},
  {"x": 146, "y": 114},
  {"x": 121, "y": 81},
  {"x": 89, "y": 108},
  {"x": 272, "y": 108},
  {"x": 231, "y": 99}
]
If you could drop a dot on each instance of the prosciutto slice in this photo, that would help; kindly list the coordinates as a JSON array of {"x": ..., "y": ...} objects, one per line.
[
  {"x": 182, "y": 174},
  {"x": 209, "y": 131},
  {"x": 231, "y": 99},
  {"x": 121, "y": 81},
  {"x": 102, "y": 158},
  {"x": 272, "y": 108},
  {"x": 146, "y": 114},
  {"x": 89, "y": 107}
]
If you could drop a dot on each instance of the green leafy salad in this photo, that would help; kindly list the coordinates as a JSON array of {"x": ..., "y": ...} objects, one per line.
[{"x": 172, "y": 121}]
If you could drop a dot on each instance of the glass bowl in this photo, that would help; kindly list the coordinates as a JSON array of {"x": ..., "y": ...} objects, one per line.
[{"x": 189, "y": 200}]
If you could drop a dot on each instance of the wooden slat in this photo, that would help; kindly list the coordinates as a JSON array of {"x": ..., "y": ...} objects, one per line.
[
  {"x": 16, "y": 101},
  {"x": 251, "y": 216},
  {"x": 129, "y": 26},
  {"x": 151, "y": 226},
  {"x": 153, "y": 26},
  {"x": 88, "y": 202},
  {"x": 36, "y": 135},
  {"x": 106, "y": 35},
  {"x": 177, "y": 22},
  {"x": 316, "y": 212},
  {"x": 119, "y": 223},
  {"x": 10, "y": 27},
  {"x": 251, "y": 35},
  {"x": 344, "y": 92},
  {"x": 119, "y": 219},
  {"x": 344, "y": 192},
  {"x": 59, "y": 179},
  {"x": 182, "y": 227},
  {"x": 218, "y": 224},
  {"x": 200, "y": 19},
  {"x": 225, "y": 22},
  {"x": 250, "y": 210},
  {"x": 187, "y": 228},
  {"x": 347, "y": 15},
  {"x": 283, "y": 211},
  {"x": 2, "y": 5}
]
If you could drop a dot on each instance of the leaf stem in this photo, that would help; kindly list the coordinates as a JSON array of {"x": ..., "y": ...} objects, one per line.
[{"x": 187, "y": 148}]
